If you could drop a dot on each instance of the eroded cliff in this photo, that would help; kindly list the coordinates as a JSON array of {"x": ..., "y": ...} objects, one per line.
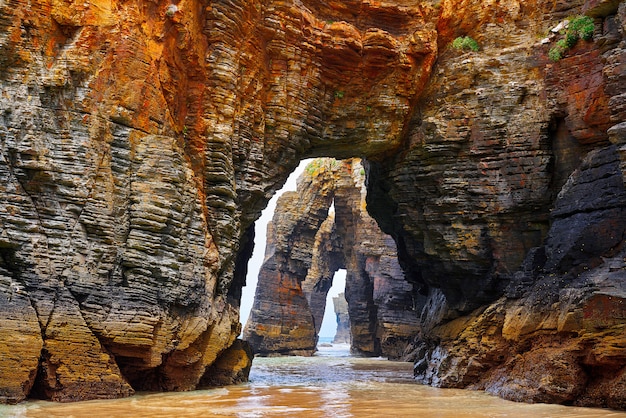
[
  {"x": 340, "y": 306},
  {"x": 140, "y": 139},
  {"x": 509, "y": 189}
]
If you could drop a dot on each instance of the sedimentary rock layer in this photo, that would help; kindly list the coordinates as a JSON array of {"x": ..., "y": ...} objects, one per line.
[
  {"x": 510, "y": 189},
  {"x": 139, "y": 141},
  {"x": 340, "y": 306},
  {"x": 281, "y": 321}
]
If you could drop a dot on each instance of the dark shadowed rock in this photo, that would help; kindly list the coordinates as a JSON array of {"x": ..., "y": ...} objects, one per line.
[
  {"x": 231, "y": 367},
  {"x": 139, "y": 142}
]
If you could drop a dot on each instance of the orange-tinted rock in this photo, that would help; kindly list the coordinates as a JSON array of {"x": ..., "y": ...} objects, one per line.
[
  {"x": 281, "y": 321},
  {"x": 510, "y": 191},
  {"x": 20, "y": 341},
  {"x": 74, "y": 365},
  {"x": 231, "y": 367}
]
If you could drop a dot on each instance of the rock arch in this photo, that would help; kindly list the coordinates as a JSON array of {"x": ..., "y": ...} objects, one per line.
[
  {"x": 138, "y": 145},
  {"x": 306, "y": 246}
]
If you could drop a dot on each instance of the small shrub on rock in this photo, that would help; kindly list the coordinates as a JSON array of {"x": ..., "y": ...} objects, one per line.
[
  {"x": 580, "y": 27},
  {"x": 465, "y": 43}
]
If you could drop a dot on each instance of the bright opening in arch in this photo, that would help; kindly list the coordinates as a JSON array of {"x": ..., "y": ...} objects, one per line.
[
  {"x": 260, "y": 240},
  {"x": 329, "y": 323}
]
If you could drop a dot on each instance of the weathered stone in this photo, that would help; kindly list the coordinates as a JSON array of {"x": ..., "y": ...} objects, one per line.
[
  {"x": 231, "y": 367},
  {"x": 281, "y": 321},
  {"x": 74, "y": 364},
  {"x": 564, "y": 338},
  {"x": 139, "y": 143},
  {"x": 20, "y": 339},
  {"x": 141, "y": 140},
  {"x": 585, "y": 229},
  {"x": 600, "y": 8},
  {"x": 493, "y": 134}
]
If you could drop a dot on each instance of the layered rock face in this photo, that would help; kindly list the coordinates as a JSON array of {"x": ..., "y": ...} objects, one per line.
[
  {"x": 381, "y": 303},
  {"x": 280, "y": 321},
  {"x": 306, "y": 246},
  {"x": 510, "y": 189},
  {"x": 140, "y": 140}
]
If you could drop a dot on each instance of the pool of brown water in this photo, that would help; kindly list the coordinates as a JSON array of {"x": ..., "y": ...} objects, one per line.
[{"x": 330, "y": 384}]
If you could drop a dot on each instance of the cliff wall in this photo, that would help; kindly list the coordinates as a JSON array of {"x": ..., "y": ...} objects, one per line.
[
  {"x": 509, "y": 190},
  {"x": 140, "y": 140}
]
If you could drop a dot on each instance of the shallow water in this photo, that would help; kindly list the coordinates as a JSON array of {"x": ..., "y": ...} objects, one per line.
[{"x": 330, "y": 384}]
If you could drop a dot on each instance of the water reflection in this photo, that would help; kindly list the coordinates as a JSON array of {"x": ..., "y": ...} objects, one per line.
[{"x": 331, "y": 384}]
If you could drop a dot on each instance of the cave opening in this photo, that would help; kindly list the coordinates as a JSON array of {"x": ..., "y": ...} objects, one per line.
[
  {"x": 335, "y": 326},
  {"x": 321, "y": 237}
]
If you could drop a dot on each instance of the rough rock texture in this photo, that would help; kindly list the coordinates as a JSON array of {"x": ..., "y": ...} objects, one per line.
[
  {"x": 340, "y": 305},
  {"x": 138, "y": 143},
  {"x": 140, "y": 140},
  {"x": 20, "y": 341},
  {"x": 232, "y": 366},
  {"x": 302, "y": 234},
  {"x": 510, "y": 191},
  {"x": 281, "y": 321}
]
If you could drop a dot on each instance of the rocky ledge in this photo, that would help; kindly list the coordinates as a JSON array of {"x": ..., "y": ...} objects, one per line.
[{"x": 508, "y": 209}]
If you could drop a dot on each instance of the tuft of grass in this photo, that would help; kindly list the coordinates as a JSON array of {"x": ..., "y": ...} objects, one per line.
[
  {"x": 465, "y": 43},
  {"x": 580, "y": 27},
  {"x": 319, "y": 164},
  {"x": 556, "y": 53},
  {"x": 314, "y": 166}
]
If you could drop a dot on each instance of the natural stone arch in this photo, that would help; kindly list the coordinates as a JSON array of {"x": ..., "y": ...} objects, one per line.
[
  {"x": 234, "y": 94},
  {"x": 306, "y": 246}
]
